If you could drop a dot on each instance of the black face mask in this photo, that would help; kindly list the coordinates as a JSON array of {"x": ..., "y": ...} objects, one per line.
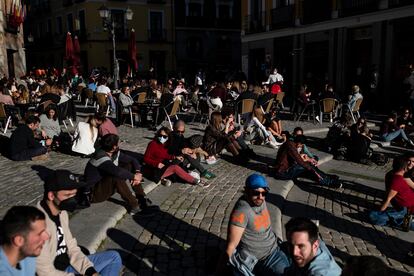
[{"x": 68, "y": 204}]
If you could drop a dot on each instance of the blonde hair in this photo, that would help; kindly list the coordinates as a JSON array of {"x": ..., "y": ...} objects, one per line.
[
  {"x": 258, "y": 90},
  {"x": 258, "y": 113},
  {"x": 91, "y": 121}
]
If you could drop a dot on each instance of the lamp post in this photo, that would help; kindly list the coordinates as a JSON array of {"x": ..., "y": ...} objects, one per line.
[{"x": 109, "y": 23}]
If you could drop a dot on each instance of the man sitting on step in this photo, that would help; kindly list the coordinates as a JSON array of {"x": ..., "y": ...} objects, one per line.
[
  {"x": 290, "y": 164},
  {"x": 107, "y": 172}
]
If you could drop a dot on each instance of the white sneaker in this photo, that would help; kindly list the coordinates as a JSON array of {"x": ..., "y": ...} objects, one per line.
[
  {"x": 211, "y": 161},
  {"x": 166, "y": 182},
  {"x": 272, "y": 145},
  {"x": 317, "y": 119}
]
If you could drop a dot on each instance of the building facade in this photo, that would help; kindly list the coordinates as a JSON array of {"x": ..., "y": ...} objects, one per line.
[
  {"x": 364, "y": 42},
  {"x": 50, "y": 20},
  {"x": 12, "y": 51},
  {"x": 207, "y": 37}
]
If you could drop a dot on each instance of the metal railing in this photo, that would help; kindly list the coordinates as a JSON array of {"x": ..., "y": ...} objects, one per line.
[
  {"x": 282, "y": 17},
  {"x": 156, "y": 1},
  {"x": 399, "y": 3},
  {"x": 157, "y": 35},
  {"x": 355, "y": 7},
  {"x": 255, "y": 23},
  {"x": 316, "y": 11}
]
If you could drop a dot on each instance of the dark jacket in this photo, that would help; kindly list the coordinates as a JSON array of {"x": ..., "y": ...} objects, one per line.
[
  {"x": 287, "y": 156},
  {"x": 22, "y": 139},
  {"x": 212, "y": 136},
  {"x": 218, "y": 92},
  {"x": 247, "y": 95},
  {"x": 101, "y": 165},
  {"x": 176, "y": 143},
  {"x": 264, "y": 99}
]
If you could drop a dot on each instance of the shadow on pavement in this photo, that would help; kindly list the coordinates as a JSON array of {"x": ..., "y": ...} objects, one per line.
[
  {"x": 42, "y": 171},
  {"x": 340, "y": 197},
  {"x": 177, "y": 246}
]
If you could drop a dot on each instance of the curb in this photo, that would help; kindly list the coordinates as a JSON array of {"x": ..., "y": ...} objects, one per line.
[
  {"x": 288, "y": 185},
  {"x": 90, "y": 230}
]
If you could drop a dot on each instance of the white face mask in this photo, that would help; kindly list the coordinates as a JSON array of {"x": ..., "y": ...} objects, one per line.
[
  {"x": 162, "y": 139},
  {"x": 299, "y": 149}
]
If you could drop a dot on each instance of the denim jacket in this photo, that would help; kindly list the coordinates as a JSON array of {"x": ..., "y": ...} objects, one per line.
[{"x": 322, "y": 265}]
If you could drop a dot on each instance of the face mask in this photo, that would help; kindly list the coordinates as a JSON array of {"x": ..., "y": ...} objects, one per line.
[
  {"x": 68, "y": 204},
  {"x": 299, "y": 149},
  {"x": 162, "y": 139}
]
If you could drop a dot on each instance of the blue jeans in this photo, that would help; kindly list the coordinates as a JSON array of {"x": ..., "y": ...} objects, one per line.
[
  {"x": 106, "y": 263},
  {"x": 388, "y": 137},
  {"x": 297, "y": 170},
  {"x": 274, "y": 264},
  {"x": 112, "y": 102},
  {"x": 29, "y": 154}
]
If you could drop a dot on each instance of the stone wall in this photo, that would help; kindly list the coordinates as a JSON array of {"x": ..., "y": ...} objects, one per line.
[{"x": 14, "y": 42}]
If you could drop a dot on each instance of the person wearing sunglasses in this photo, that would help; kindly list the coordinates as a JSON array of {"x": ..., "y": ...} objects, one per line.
[
  {"x": 159, "y": 165},
  {"x": 251, "y": 243},
  {"x": 179, "y": 146}
]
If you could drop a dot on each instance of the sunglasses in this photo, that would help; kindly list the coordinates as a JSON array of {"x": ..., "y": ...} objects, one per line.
[
  {"x": 163, "y": 136},
  {"x": 257, "y": 193},
  {"x": 180, "y": 131}
]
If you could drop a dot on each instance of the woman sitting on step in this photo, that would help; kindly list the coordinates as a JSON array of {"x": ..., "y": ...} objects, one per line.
[{"x": 159, "y": 165}]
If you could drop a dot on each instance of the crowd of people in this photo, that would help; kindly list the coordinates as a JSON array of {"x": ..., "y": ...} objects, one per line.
[{"x": 40, "y": 105}]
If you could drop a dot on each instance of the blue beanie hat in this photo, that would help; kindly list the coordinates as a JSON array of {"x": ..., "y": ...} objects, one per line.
[{"x": 256, "y": 181}]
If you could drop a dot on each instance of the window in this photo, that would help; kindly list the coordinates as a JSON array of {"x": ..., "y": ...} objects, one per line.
[
  {"x": 69, "y": 22},
  {"x": 40, "y": 29},
  {"x": 156, "y": 20},
  {"x": 82, "y": 23},
  {"x": 120, "y": 26},
  {"x": 49, "y": 26},
  {"x": 224, "y": 11},
  {"x": 156, "y": 26},
  {"x": 59, "y": 28},
  {"x": 195, "y": 9}
]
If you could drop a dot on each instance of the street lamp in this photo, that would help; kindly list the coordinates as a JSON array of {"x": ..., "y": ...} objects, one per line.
[{"x": 109, "y": 23}]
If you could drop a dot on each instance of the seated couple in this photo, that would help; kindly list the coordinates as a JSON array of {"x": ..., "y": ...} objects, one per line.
[{"x": 165, "y": 158}]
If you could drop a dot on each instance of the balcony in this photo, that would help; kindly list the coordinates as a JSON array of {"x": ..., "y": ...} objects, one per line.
[
  {"x": 198, "y": 21},
  {"x": 316, "y": 11},
  {"x": 255, "y": 23},
  {"x": 399, "y": 3},
  {"x": 282, "y": 17},
  {"x": 67, "y": 3},
  {"x": 227, "y": 23},
  {"x": 355, "y": 7},
  {"x": 157, "y": 35},
  {"x": 156, "y": 1},
  {"x": 12, "y": 24}
]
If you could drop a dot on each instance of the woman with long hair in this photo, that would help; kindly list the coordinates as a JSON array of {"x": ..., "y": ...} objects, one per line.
[
  {"x": 217, "y": 137},
  {"x": 85, "y": 137},
  {"x": 49, "y": 122},
  {"x": 159, "y": 165},
  {"x": 256, "y": 130}
]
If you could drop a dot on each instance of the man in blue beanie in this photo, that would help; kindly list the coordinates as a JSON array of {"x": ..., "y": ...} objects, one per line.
[{"x": 251, "y": 243}]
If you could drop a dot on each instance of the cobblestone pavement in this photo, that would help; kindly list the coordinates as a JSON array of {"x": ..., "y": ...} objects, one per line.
[
  {"x": 188, "y": 233},
  {"x": 342, "y": 215}
]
